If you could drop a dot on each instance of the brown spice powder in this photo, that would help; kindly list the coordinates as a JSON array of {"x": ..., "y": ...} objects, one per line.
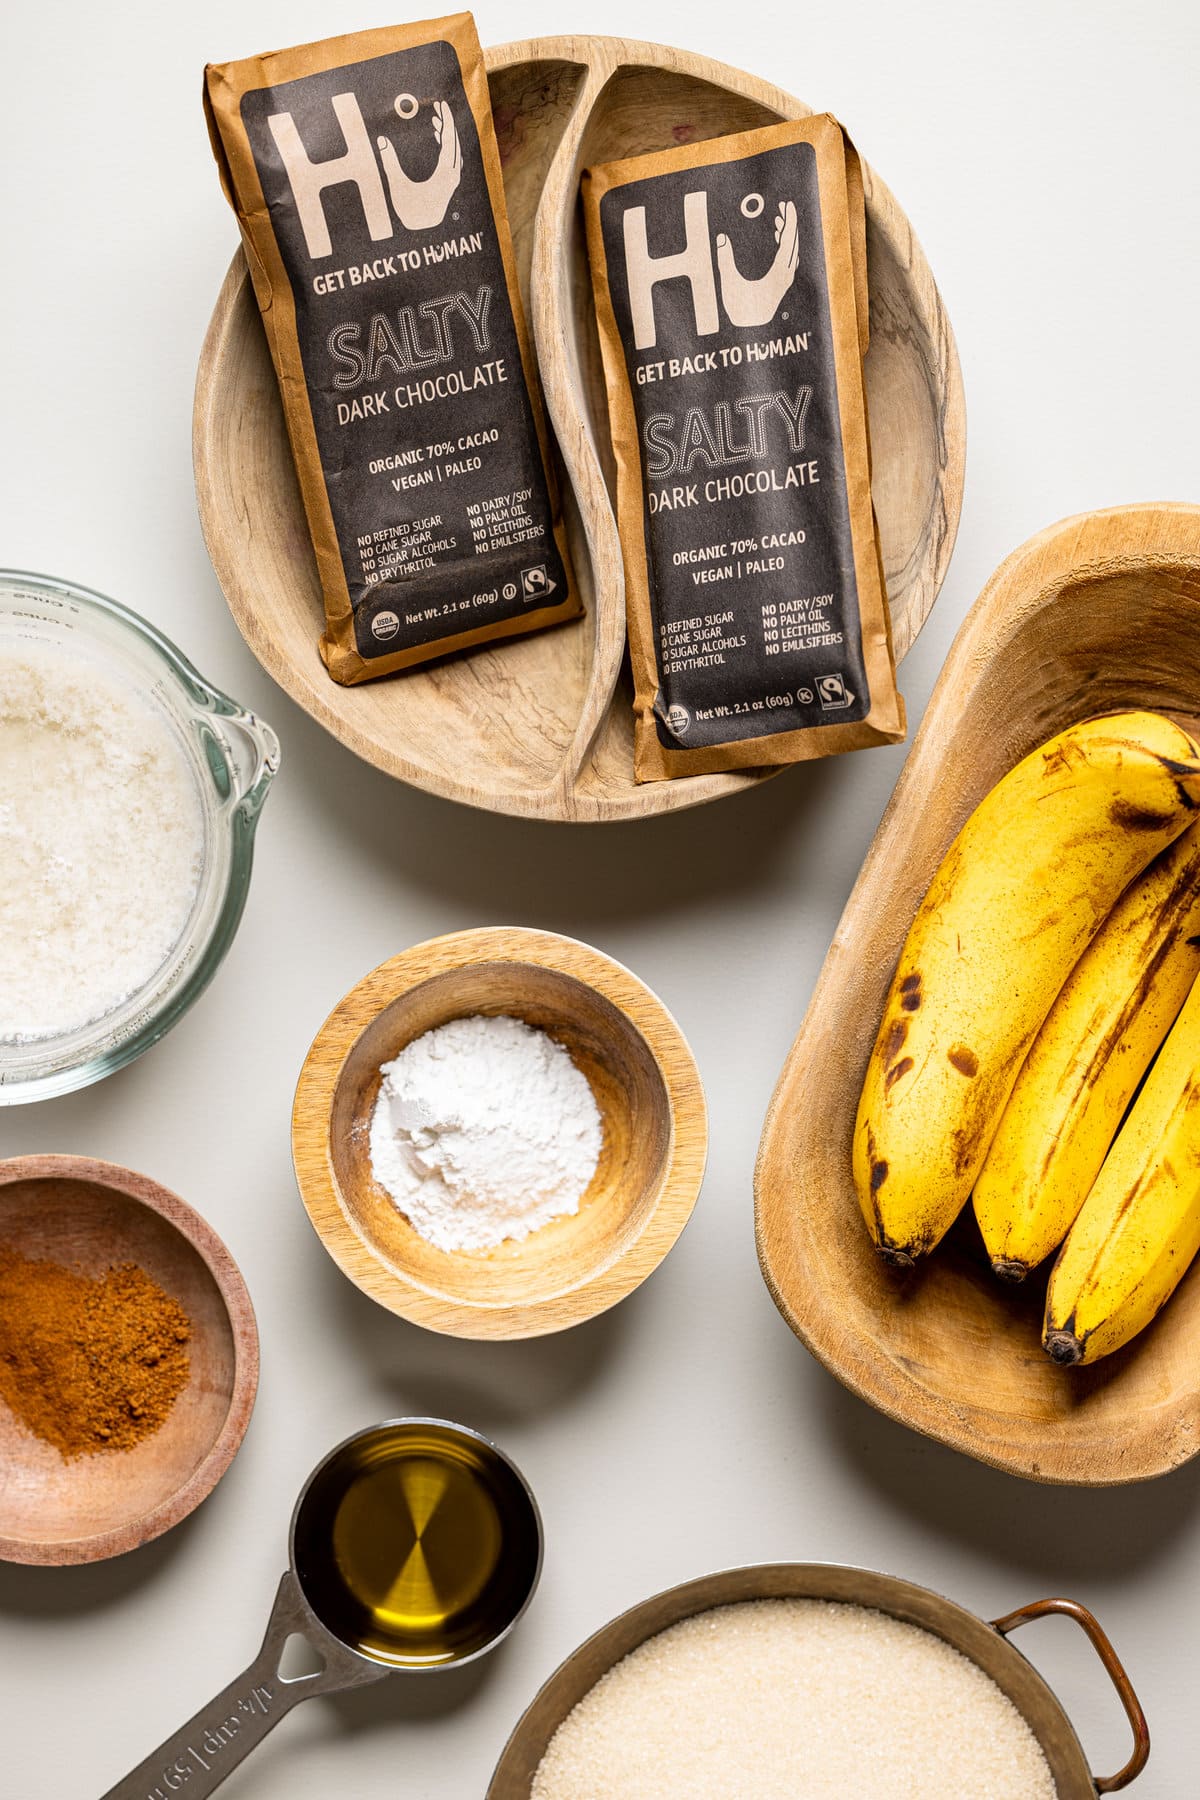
[{"x": 89, "y": 1363}]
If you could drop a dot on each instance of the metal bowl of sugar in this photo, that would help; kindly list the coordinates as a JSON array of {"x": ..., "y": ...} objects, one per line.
[
  {"x": 130, "y": 789},
  {"x": 856, "y": 1692}
]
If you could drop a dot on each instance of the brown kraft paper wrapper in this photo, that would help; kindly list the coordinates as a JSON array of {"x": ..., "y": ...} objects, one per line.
[
  {"x": 731, "y": 298},
  {"x": 366, "y": 180}
]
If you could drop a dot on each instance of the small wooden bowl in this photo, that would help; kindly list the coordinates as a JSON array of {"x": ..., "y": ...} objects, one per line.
[
  {"x": 1097, "y": 614},
  {"x": 91, "y": 1215},
  {"x": 647, "y": 1088},
  {"x": 543, "y": 726}
]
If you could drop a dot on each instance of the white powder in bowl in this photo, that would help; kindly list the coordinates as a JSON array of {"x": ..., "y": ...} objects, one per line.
[
  {"x": 101, "y": 840},
  {"x": 783, "y": 1699},
  {"x": 484, "y": 1129}
]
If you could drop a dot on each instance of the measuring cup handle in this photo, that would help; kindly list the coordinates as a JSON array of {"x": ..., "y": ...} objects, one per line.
[
  {"x": 1071, "y": 1609},
  {"x": 222, "y": 1734}
]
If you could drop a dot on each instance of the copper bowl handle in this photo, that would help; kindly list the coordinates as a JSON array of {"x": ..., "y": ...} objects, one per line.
[{"x": 1038, "y": 1609}]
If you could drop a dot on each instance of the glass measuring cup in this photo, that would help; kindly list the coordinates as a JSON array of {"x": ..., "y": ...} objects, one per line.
[
  {"x": 232, "y": 756},
  {"x": 415, "y": 1545}
]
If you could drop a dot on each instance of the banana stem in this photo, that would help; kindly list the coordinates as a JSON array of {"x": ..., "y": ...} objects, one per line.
[{"x": 1063, "y": 1346}]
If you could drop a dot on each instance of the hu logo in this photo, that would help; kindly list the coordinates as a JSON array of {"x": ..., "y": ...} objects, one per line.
[
  {"x": 746, "y": 301},
  {"x": 419, "y": 205}
]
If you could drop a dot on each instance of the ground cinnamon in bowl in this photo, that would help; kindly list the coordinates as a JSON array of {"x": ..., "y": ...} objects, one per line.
[{"x": 89, "y": 1363}]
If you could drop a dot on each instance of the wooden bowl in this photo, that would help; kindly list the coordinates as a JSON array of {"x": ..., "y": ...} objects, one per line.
[
  {"x": 1099, "y": 613},
  {"x": 647, "y": 1088},
  {"x": 543, "y": 726},
  {"x": 986, "y": 1645},
  {"x": 91, "y": 1215}
]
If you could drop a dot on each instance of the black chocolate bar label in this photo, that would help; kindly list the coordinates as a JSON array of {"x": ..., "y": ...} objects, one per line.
[
  {"x": 378, "y": 198},
  {"x": 719, "y": 290}
]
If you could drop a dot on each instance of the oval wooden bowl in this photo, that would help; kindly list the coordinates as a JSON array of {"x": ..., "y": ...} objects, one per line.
[
  {"x": 647, "y": 1088},
  {"x": 542, "y": 726},
  {"x": 1099, "y": 613},
  {"x": 984, "y": 1644},
  {"x": 91, "y": 1215}
]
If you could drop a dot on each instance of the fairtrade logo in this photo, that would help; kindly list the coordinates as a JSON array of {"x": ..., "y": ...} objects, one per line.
[
  {"x": 536, "y": 584},
  {"x": 418, "y": 205},
  {"x": 746, "y": 300},
  {"x": 834, "y": 692}
]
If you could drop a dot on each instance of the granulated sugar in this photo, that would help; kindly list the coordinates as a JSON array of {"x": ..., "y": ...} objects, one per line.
[
  {"x": 794, "y": 1700},
  {"x": 101, "y": 838},
  {"x": 484, "y": 1129}
]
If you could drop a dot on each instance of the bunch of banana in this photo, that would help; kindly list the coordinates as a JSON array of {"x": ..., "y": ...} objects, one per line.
[
  {"x": 1098, "y": 1040},
  {"x": 1019, "y": 896},
  {"x": 1139, "y": 1228}
]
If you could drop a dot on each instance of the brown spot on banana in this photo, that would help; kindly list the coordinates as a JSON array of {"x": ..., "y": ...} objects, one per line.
[
  {"x": 896, "y": 1073},
  {"x": 892, "y": 1041},
  {"x": 910, "y": 993},
  {"x": 1062, "y": 758},
  {"x": 964, "y": 1060},
  {"x": 1138, "y": 818},
  {"x": 964, "y": 1143},
  {"x": 874, "y": 1162},
  {"x": 1182, "y": 769},
  {"x": 1047, "y": 922}
]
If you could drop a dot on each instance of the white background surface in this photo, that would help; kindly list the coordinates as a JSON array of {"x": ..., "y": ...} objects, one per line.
[{"x": 1046, "y": 155}]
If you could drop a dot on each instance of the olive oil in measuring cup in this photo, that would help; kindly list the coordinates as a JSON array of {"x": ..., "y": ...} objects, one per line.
[
  {"x": 413, "y": 1542},
  {"x": 416, "y": 1545}
]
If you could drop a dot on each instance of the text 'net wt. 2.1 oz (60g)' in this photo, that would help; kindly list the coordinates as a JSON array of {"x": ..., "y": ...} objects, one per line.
[
  {"x": 731, "y": 296},
  {"x": 366, "y": 179}
]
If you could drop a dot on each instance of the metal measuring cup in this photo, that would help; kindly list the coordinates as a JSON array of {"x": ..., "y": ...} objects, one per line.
[{"x": 222, "y": 1734}]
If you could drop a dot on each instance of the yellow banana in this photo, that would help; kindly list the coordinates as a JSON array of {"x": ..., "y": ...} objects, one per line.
[
  {"x": 1140, "y": 1226},
  {"x": 1098, "y": 1040},
  {"x": 1019, "y": 895}
]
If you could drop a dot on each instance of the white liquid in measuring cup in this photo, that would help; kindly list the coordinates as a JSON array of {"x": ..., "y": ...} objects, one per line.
[{"x": 101, "y": 840}]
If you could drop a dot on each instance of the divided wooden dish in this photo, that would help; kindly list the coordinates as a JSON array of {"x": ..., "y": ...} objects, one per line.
[
  {"x": 542, "y": 726},
  {"x": 1099, "y": 613},
  {"x": 646, "y": 1086},
  {"x": 91, "y": 1215}
]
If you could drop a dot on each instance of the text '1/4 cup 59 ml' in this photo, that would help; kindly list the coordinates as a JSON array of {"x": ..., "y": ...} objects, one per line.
[
  {"x": 730, "y": 281},
  {"x": 366, "y": 179}
]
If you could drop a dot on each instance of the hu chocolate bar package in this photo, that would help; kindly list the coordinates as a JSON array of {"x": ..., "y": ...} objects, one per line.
[
  {"x": 730, "y": 286},
  {"x": 366, "y": 181}
]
